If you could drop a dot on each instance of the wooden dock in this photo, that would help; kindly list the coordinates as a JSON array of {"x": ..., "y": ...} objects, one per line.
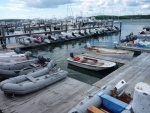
[
  {"x": 132, "y": 48},
  {"x": 67, "y": 93},
  {"x": 137, "y": 70},
  {"x": 57, "y": 98}
]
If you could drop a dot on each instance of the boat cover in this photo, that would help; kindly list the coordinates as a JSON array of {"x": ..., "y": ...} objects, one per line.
[{"x": 113, "y": 104}]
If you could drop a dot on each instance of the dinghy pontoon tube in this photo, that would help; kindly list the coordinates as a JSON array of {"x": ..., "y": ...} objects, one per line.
[
  {"x": 13, "y": 69},
  {"x": 33, "y": 81},
  {"x": 102, "y": 97}
]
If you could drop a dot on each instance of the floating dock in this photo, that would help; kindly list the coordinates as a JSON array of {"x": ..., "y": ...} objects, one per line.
[
  {"x": 67, "y": 93},
  {"x": 138, "y": 49},
  {"x": 137, "y": 70}
]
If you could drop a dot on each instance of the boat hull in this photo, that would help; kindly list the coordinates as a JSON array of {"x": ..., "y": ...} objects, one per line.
[
  {"x": 33, "y": 81},
  {"x": 90, "y": 63},
  {"x": 124, "y": 54},
  {"x": 87, "y": 66}
]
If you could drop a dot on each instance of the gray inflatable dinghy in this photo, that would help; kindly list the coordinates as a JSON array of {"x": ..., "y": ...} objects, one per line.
[
  {"x": 33, "y": 81},
  {"x": 19, "y": 68}
]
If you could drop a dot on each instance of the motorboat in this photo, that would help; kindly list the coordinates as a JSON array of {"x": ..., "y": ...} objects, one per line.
[
  {"x": 142, "y": 43},
  {"x": 145, "y": 33},
  {"x": 89, "y": 62},
  {"x": 118, "y": 53},
  {"x": 44, "y": 38},
  {"x": 25, "y": 40}
]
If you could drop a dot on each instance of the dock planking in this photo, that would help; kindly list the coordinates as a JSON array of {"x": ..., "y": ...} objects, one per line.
[
  {"x": 67, "y": 93},
  {"x": 137, "y": 70},
  {"x": 113, "y": 59},
  {"x": 57, "y": 98},
  {"x": 138, "y": 49}
]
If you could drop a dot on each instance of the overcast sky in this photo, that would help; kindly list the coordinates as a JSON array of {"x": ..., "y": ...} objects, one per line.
[{"x": 61, "y": 8}]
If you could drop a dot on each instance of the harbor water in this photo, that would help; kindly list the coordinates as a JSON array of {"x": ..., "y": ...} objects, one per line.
[{"x": 61, "y": 51}]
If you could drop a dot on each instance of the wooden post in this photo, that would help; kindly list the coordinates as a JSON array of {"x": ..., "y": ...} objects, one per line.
[
  {"x": 120, "y": 26},
  {"x": 39, "y": 26},
  {"x": 25, "y": 31},
  {"x": 112, "y": 23},
  {"x": 3, "y": 36},
  {"x": 7, "y": 33},
  {"x": 7, "y": 30},
  {"x": 79, "y": 26},
  {"x": 50, "y": 29},
  {"x": 74, "y": 25},
  {"x": 29, "y": 30},
  {"x": 66, "y": 27},
  {"x": 45, "y": 28},
  {"x": 61, "y": 25},
  {"x": 98, "y": 24}
]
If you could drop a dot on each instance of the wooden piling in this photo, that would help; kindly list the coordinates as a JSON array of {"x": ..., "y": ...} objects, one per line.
[
  {"x": 66, "y": 27},
  {"x": 29, "y": 30},
  {"x": 61, "y": 25},
  {"x": 50, "y": 29},
  {"x": 120, "y": 26},
  {"x": 25, "y": 31},
  {"x": 79, "y": 26}
]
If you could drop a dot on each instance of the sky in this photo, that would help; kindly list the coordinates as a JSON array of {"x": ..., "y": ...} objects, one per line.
[{"x": 47, "y": 9}]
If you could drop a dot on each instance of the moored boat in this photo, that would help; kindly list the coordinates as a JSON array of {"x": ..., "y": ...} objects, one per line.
[
  {"x": 104, "y": 98},
  {"x": 118, "y": 53},
  {"x": 89, "y": 62},
  {"x": 11, "y": 69},
  {"x": 33, "y": 81}
]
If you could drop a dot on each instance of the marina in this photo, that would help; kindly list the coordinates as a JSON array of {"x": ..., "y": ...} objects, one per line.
[
  {"x": 61, "y": 86},
  {"x": 75, "y": 56},
  {"x": 54, "y": 99}
]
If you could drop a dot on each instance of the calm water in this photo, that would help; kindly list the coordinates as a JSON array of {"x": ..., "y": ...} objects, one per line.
[{"x": 60, "y": 52}]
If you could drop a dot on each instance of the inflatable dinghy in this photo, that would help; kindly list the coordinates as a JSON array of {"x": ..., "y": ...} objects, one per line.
[{"x": 33, "y": 81}]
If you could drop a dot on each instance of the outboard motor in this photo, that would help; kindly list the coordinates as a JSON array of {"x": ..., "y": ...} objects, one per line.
[
  {"x": 81, "y": 33},
  {"x": 71, "y": 55},
  {"x": 85, "y": 32},
  {"x": 73, "y": 34},
  {"x": 116, "y": 27},
  {"x": 41, "y": 60}
]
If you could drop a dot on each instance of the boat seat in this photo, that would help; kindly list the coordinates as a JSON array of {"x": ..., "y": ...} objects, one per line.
[
  {"x": 114, "y": 104},
  {"x": 32, "y": 79},
  {"x": 34, "y": 65},
  {"x": 94, "y": 109}
]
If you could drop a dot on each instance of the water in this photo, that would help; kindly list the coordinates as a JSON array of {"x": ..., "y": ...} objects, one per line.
[{"x": 60, "y": 52}]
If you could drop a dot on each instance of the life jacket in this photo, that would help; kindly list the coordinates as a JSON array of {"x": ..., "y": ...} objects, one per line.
[
  {"x": 38, "y": 39},
  {"x": 76, "y": 58}
]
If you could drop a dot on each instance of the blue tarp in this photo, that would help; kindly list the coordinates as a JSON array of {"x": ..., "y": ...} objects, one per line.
[{"x": 113, "y": 104}]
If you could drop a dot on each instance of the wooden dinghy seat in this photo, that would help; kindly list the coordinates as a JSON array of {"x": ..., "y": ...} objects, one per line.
[
  {"x": 94, "y": 109},
  {"x": 32, "y": 79},
  {"x": 88, "y": 60}
]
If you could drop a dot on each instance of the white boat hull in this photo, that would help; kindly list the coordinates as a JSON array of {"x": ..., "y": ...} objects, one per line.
[{"x": 100, "y": 65}]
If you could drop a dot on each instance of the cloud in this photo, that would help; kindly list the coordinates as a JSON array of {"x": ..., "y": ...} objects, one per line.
[
  {"x": 78, "y": 7},
  {"x": 43, "y": 3}
]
